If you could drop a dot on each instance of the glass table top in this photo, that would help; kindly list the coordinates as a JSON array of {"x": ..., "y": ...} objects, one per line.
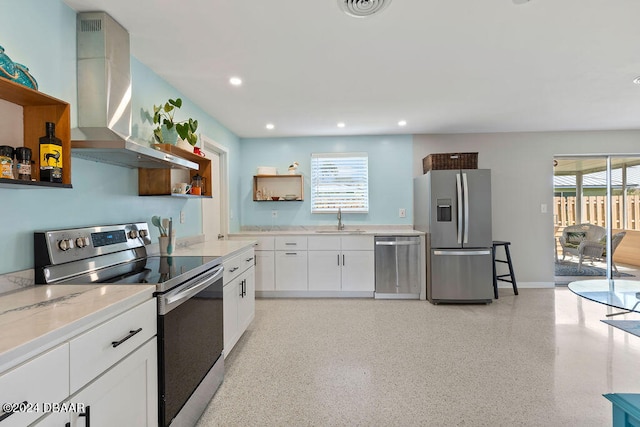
[{"x": 623, "y": 294}]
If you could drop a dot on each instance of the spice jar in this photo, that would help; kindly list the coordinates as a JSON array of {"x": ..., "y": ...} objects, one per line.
[
  {"x": 6, "y": 162},
  {"x": 23, "y": 163}
]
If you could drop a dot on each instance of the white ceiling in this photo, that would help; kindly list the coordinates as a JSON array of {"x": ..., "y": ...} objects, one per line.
[{"x": 444, "y": 66}]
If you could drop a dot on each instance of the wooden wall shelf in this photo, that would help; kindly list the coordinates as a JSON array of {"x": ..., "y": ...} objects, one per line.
[
  {"x": 158, "y": 182},
  {"x": 278, "y": 186},
  {"x": 37, "y": 109}
]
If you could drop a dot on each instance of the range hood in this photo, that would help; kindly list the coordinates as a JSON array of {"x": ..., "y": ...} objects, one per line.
[{"x": 104, "y": 99}]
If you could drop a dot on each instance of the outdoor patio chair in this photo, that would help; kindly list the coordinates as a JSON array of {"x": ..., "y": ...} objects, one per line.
[
  {"x": 574, "y": 235},
  {"x": 598, "y": 250}
]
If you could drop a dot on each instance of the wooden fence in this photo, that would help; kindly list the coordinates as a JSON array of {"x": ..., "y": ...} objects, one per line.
[{"x": 594, "y": 211}]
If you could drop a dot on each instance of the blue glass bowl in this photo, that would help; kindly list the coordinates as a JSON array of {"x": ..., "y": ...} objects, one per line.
[
  {"x": 7, "y": 67},
  {"x": 24, "y": 77}
]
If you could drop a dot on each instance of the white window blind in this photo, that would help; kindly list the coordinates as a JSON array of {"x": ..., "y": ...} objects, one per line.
[{"x": 339, "y": 180}]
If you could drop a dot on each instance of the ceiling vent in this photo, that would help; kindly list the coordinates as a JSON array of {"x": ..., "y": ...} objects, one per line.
[{"x": 362, "y": 8}]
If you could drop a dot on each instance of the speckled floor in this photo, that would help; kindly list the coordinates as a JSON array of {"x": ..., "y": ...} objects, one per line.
[{"x": 542, "y": 358}]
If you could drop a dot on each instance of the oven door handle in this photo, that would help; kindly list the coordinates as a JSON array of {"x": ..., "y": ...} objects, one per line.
[{"x": 173, "y": 299}]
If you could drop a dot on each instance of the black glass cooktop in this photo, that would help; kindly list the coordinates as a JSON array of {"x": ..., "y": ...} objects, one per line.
[{"x": 163, "y": 271}]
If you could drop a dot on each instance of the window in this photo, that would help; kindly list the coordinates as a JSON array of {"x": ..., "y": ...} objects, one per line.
[{"x": 339, "y": 180}]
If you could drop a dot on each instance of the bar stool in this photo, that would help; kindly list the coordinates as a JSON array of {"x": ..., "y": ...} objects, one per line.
[{"x": 502, "y": 277}]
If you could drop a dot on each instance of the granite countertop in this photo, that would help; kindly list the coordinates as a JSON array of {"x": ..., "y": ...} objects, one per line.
[{"x": 40, "y": 317}]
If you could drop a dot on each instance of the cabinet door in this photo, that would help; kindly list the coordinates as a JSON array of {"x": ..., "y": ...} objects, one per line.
[
  {"x": 291, "y": 271},
  {"x": 126, "y": 395},
  {"x": 27, "y": 383},
  {"x": 324, "y": 270},
  {"x": 230, "y": 296},
  {"x": 247, "y": 302},
  {"x": 265, "y": 271},
  {"x": 358, "y": 271}
]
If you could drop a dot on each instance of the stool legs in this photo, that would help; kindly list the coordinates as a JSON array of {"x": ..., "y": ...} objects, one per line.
[{"x": 502, "y": 277}]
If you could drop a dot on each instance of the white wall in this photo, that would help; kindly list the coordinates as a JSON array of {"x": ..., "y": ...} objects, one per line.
[{"x": 522, "y": 180}]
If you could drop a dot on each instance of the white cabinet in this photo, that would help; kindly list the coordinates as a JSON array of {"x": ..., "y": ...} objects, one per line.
[
  {"x": 291, "y": 270},
  {"x": 341, "y": 263},
  {"x": 125, "y": 395},
  {"x": 291, "y": 263},
  {"x": 109, "y": 372},
  {"x": 265, "y": 271},
  {"x": 238, "y": 297},
  {"x": 26, "y": 384}
]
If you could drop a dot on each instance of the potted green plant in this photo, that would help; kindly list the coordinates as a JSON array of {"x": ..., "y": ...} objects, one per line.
[{"x": 167, "y": 129}]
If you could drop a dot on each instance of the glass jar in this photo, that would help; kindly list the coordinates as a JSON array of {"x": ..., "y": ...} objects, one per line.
[
  {"x": 6, "y": 162},
  {"x": 23, "y": 163}
]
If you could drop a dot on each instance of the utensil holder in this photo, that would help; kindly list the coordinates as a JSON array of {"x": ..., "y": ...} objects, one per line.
[{"x": 164, "y": 244}]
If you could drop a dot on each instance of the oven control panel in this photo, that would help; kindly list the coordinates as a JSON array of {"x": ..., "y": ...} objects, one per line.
[{"x": 61, "y": 246}]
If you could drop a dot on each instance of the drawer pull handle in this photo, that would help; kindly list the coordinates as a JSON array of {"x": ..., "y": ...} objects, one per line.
[
  {"x": 114, "y": 344},
  {"x": 231, "y": 270},
  {"x": 249, "y": 259},
  {"x": 290, "y": 244},
  {"x": 8, "y": 414},
  {"x": 87, "y": 414},
  {"x": 291, "y": 253}
]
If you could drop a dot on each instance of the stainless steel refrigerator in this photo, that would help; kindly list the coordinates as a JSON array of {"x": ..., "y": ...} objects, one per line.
[{"x": 454, "y": 208}]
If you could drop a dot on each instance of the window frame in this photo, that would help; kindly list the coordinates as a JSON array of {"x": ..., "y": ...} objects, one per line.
[{"x": 349, "y": 166}]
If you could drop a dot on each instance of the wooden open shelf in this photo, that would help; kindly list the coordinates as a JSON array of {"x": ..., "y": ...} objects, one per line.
[
  {"x": 37, "y": 109},
  {"x": 157, "y": 182},
  {"x": 279, "y": 186}
]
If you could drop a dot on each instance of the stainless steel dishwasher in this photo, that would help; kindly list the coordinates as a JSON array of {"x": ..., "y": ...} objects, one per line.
[{"x": 397, "y": 261}]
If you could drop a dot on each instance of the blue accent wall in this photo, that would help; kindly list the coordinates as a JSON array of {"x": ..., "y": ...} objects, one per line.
[
  {"x": 390, "y": 178},
  {"x": 41, "y": 35}
]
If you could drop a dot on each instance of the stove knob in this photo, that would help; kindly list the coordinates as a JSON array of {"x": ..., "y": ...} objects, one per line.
[
  {"x": 81, "y": 242},
  {"x": 143, "y": 233},
  {"x": 133, "y": 234},
  {"x": 65, "y": 244}
]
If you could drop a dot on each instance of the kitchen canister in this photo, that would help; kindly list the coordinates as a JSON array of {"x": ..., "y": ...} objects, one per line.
[{"x": 6, "y": 162}]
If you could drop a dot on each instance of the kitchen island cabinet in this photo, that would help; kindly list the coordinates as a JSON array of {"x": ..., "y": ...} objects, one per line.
[
  {"x": 238, "y": 297},
  {"x": 59, "y": 348}
]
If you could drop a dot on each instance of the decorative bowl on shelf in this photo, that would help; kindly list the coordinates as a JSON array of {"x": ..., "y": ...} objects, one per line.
[
  {"x": 290, "y": 197},
  {"x": 275, "y": 198}
]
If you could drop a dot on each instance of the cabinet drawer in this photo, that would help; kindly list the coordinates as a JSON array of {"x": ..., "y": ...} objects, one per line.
[
  {"x": 93, "y": 352},
  {"x": 235, "y": 266},
  {"x": 265, "y": 243},
  {"x": 324, "y": 243},
  {"x": 357, "y": 243},
  {"x": 40, "y": 380},
  {"x": 287, "y": 243}
]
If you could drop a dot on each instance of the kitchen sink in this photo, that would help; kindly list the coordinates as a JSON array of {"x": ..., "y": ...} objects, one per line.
[{"x": 340, "y": 231}]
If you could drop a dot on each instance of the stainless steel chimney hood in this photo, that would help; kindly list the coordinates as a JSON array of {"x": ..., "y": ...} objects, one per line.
[{"x": 104, "y": 99}]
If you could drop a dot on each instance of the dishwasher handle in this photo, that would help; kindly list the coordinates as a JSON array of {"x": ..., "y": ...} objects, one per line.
[{"x": 397, "y": 242}]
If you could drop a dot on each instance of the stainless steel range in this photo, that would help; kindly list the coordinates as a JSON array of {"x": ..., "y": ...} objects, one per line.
[{"x": 189, "y": 292}]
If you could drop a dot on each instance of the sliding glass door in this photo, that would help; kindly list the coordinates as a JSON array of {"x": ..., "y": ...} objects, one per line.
[{"x": 596, "y": 217}]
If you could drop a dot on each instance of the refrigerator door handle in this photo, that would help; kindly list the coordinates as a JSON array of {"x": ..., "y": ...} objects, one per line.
[
  {"x": 459, "y": 193},
  {"x": 466, "y": 207},
  {"x": 454, "y": 252}
]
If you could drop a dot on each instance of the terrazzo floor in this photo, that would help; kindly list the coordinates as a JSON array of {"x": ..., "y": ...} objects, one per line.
[{"x": 542, "y": 358}]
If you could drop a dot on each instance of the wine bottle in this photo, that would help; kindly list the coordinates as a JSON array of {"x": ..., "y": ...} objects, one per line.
[{"x": 50, "y": 155}]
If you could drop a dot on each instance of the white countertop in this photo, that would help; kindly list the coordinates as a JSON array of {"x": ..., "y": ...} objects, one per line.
[
  {"x": 219, "y": 248},
  {"x": 351, "y": 230},
  {"x": 40, "y": 317}
]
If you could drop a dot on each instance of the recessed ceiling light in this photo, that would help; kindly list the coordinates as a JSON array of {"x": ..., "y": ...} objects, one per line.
[
  {"x": 402, "y": 123},
  {"x": 270, "y": 126},
  {"x": 637, "y": 80},
  {"x": 236, "y": 81},
  {"x": 341, "y": 124}
]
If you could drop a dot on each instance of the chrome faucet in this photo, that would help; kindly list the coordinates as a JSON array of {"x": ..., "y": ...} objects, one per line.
[{"x": 340, "y": 224}]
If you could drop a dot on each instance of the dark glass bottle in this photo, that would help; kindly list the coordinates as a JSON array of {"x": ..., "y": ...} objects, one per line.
[{"x": 50, "y": 155}]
